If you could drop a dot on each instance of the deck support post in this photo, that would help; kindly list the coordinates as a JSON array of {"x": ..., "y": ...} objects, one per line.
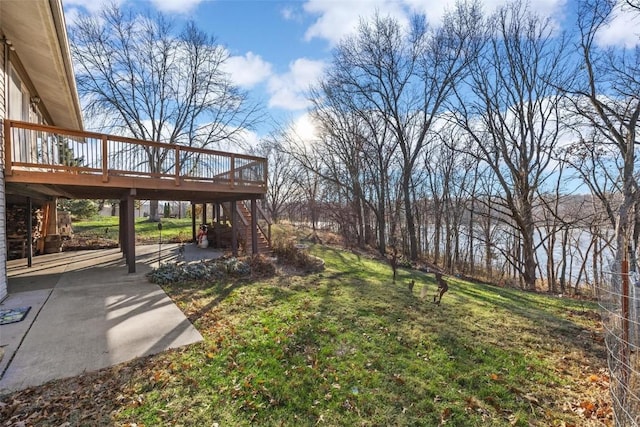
[
  {"x": 29, "y": 232},
  {"x": 234, "y": 229},
  {"x": 121, "y": 227},
  {"x": 254, "y": 227},
  {"x": 130, "y": 231},
  {"x": 193, "y": 222},
  {"x": 204, "y": 213}
]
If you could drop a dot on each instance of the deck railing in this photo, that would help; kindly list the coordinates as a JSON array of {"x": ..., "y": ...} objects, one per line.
[{"x": 40, "y": 148}]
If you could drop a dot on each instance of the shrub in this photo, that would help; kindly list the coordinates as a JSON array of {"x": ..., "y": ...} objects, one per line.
[
  {"x": 80, "y": 209},
  {"x": 262, "y": 266},
  {"x": 212, "y": 270},
  {"x": 179, "y": 272},
  {"x": 235, "y": 267},
  {"x": 288, "y": 253}
]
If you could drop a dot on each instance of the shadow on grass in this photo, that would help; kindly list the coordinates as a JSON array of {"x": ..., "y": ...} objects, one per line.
[{"x": 534, "y": 309}]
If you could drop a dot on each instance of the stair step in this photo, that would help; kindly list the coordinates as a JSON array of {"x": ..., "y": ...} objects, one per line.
[{"x": 263, "y": 244}]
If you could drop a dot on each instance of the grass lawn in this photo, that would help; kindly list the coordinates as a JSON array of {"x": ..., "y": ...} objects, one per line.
[
  {"x": 107, "y": 227},
  {"x": 348, "y": 347}
]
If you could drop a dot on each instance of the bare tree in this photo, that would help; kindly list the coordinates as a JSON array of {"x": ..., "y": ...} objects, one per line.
[
  {"x": 513, "y": 118},
  {"x": 356, "y": 147},
  {"x": 403, "y": 78},
  {"x": 307, "y": 163},
  {"x": 448, "y": 175},
  {"x": 341, "y": 151},
  {"x": 606, "y": 96},
  {"x": 138, "y": 77},
  {"x": 283, "y": 174}
]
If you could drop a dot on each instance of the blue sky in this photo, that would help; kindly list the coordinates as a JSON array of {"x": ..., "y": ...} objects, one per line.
[{"x": 278, "y": 48}]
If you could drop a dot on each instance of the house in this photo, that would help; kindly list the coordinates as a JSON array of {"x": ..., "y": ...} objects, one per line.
[
  {"x": 37, "y": 85},
  {"x": 42, "y": 138}
]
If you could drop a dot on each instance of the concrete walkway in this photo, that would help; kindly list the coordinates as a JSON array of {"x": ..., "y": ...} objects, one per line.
[{"x": 88, "y": 313}]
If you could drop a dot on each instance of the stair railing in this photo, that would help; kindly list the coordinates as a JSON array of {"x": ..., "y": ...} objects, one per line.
[{"x": 263, "y": 218}]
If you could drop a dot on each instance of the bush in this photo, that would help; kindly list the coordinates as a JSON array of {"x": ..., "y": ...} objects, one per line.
[
  {"x": 80, "y": 209},
  {"x": 235, "y": 267},
  {"x": 288, "y": 253},
  {"x": 262, "y": 266},
  {"x": 176, "y": 272},
  {"x": 212, "y": 270}
]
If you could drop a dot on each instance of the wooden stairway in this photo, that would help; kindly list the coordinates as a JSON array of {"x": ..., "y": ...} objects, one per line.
[
  {"x": 264, "y": 246},
  {"x": 244, "y": 227}
]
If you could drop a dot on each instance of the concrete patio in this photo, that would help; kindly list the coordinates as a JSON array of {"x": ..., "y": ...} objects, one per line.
[{"x": 88, "y": 313}]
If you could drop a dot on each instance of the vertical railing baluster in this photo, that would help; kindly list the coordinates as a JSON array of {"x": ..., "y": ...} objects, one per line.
[
  {"x": 105, "y": 159},
  {"x": 233, "y": 171},
  {"x": 177, "y": 164}
]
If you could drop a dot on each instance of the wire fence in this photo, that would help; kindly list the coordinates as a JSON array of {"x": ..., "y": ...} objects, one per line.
[{"x": 619, "y": 300}]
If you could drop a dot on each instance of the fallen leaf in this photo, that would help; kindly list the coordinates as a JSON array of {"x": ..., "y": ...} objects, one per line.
[
  {"x": 445, "y": 415},
  {"x": 588, "y": 407}
]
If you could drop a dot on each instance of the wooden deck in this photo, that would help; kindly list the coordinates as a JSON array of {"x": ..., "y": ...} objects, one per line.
[{"x": 54, "y": 161}]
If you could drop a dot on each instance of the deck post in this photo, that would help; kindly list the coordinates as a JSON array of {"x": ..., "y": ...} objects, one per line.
[
  {"x": 8, "y": 157},
  {"x": 131, "y": 231},
  {"x": 215, "y": 220},
  {"x": 234, "y": 229},
  {"x": 266, "y": 175},
  {"x": 254, "y": 227},
  {"x": 177, "y": 166},
  {"x": 232, "y": 172},
  {"x": 121, "y": 227},
  {"x": 29, "y": 232},
  {"x": 105, "y": 159},
  {"x": 193, "y": 222},
  {"x": 204, "y": 213}
]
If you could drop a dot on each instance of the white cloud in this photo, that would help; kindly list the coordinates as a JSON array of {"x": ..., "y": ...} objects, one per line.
[
  {"x": 245, "y": 140},
  {"x": 176, "y": 6},
  {"x": 288, "y": 13},
  {"x": 337, "y": 19},
  {"x": 74, "y": 9},
  {"x": 71, "y": 16},
  {"x": 166, "y": 6},
  {"x": 288, "y": 91},
  {"x": 247, "y": 70},
  {"x": 91, "y": 6},
  {"x": 622, "y": 30},
  {"x": 250, "y": 139}
]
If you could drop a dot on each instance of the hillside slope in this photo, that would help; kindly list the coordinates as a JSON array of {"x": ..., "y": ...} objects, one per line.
[{"x": 348, "y": 347}]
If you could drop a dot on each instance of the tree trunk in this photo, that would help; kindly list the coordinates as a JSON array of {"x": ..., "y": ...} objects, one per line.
[
  {"x": 437, "y": 226},
  {"x": 154, "y": 215},
  {"x": 563, "y": 272},
  {"x": 382, "y": 225},
  {"x": 411, "y": 226},
  {"x": 551, "y": 242},
  {"x": 470, "y": 235},
  {"x": 529, "y": 257}
]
